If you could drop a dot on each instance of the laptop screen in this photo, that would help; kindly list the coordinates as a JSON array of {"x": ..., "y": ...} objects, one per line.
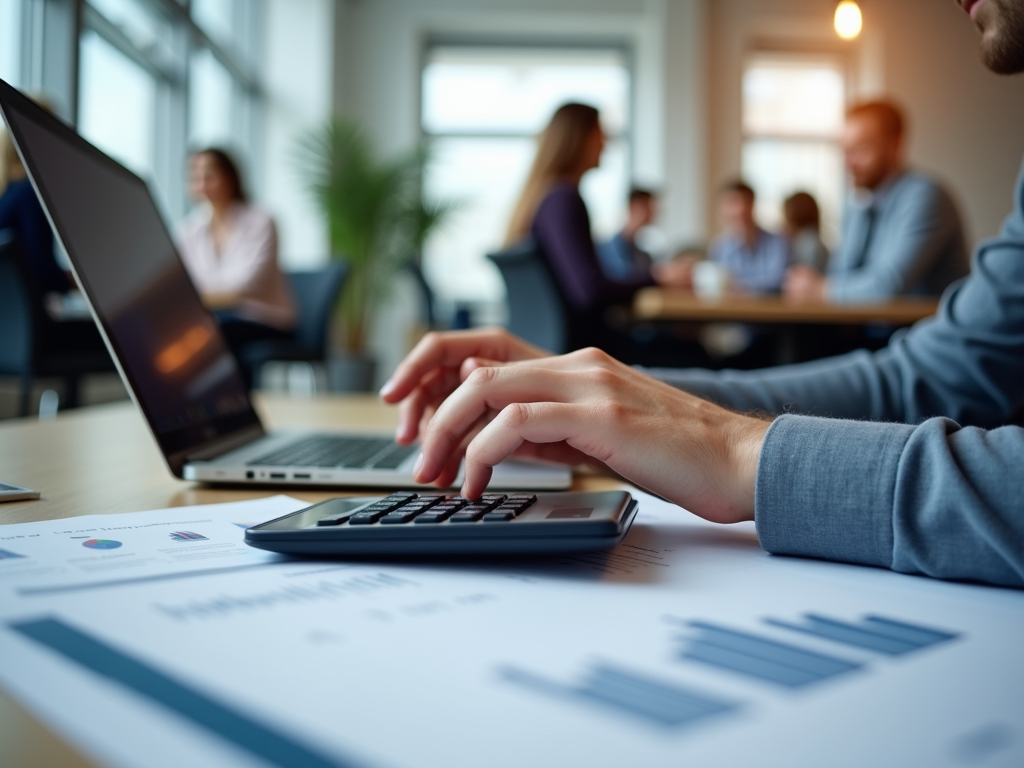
[{"x": 169, "y": 347}]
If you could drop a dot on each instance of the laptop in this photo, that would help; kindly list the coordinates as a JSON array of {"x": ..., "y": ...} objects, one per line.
[{"x": 167, "y": 346}]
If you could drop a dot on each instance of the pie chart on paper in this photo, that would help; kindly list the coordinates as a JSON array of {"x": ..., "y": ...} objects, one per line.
[{"x": 101, "y": 544}]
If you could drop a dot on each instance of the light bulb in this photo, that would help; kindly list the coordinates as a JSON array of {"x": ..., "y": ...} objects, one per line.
[{"x": 848, "y": 20}]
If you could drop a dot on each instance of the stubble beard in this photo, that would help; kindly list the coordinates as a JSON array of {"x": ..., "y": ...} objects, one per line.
[{"x": 1002, "y": 41}]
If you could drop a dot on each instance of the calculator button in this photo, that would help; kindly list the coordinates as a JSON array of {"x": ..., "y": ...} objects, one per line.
[
  {"x": 403, "y": 515},
  {"x": 529, "y": 498},
  {"x": 366, "y": 517},
  {"x": 469, "y": 514},
  {"x": 435, "y": 515},
  {"x": 515, "y": 509},
  {"x": 493, "y": 498},
  {"x": 399, "y": 498},
  {"x": 335, "y": 520},
  {"x": 499, "y": 516}
]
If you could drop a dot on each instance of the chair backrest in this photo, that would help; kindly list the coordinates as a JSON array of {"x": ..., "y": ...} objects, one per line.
[
  {"x": 18, "y": 310},
  {"x": 537, "y": 310},
  {"x": 316, "y": 292}
]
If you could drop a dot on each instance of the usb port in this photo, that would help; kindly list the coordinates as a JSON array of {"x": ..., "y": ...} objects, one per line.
[
  {"x": 302, "y": 476},
  {"x": 278, "y": 475}
]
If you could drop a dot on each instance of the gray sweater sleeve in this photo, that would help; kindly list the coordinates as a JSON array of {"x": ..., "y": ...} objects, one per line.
[
  {"x": 934, "y": 499},
  {"x": 966, "y": 363}
]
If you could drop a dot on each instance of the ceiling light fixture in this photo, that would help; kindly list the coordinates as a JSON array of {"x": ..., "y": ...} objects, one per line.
[{"x": 848, "y": 20}]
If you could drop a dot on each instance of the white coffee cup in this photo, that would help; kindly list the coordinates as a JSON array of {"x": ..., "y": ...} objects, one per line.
[{"x": 710, "y": 280}]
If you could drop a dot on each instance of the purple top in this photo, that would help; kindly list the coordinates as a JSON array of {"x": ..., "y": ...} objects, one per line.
[{"x": 562, "y": 230}]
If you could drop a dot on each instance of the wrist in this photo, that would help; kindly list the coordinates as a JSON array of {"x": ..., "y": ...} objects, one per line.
[{"x": 745, "y": 438}]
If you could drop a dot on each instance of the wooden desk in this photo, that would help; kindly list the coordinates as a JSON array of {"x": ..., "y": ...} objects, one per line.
[
  {"x": 103, "y": 460},
  {"x": 667, "y": 304}
]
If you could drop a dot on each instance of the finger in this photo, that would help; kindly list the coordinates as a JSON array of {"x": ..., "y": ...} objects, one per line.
[
  {"x": 488, "y": 388},
  {"x": 448, "y": 350},
  {"x": 545, "y": 422},
  {"x": 437, "y": 385},
  {"x": 558, "y": 453}
]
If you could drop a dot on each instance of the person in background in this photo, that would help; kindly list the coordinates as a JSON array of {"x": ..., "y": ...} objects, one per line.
[
  {"x": 755, "y": 259},
  {"x": 902, "y": 235},
  {"x": 230, "y": 251},
  {"x": 802, "y": 227},
  {"x": 621, "y": 258},
  {"x": 23, "y": 216},
  {"x": 552, "y": 212}
]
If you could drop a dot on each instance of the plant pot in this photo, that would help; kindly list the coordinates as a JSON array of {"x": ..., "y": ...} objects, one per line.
[{"x": 351, "y": 373}]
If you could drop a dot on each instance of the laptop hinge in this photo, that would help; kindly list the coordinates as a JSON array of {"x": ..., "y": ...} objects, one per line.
[{"x": 225, "y": 444}]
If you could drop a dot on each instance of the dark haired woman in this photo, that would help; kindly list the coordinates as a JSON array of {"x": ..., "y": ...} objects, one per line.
[{"x": 230, "y": 250}]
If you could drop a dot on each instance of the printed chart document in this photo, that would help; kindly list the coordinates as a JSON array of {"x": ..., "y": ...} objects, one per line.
[{"x": 686, "y": 645}]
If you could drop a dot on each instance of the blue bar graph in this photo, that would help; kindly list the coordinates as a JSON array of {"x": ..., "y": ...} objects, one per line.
[
  {"x": 873, "y": 633},
  {"x": 259, "y": 739},
  {"x": 656, "y": 702},
  {"x": 760, "y": 657}
]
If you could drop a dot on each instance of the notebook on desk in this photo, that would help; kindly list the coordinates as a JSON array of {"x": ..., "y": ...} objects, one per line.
[{"x": 167, "y": 346}]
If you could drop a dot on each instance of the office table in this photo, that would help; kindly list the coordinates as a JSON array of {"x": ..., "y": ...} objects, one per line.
[
  {"x": 668, "y": 304},
  {"x": 102, "y": 460},
  {"x": 679, "y": 595}
]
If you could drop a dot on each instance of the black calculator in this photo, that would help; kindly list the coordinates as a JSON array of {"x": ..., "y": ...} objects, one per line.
[{"x": 442, "y": 524}]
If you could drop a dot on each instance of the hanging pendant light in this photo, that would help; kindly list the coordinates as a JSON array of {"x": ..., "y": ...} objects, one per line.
[{"x": 848, "y": 20}]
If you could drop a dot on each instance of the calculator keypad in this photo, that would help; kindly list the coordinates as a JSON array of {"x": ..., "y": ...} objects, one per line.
[{"x": 432, "y": 509}]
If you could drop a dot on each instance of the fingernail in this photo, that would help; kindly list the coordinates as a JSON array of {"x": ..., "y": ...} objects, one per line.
[
  {"x": 389, "y": 385},
  {"x": 418, "y": 466}
]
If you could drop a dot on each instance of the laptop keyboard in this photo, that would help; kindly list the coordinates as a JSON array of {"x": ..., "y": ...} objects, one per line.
[
  {"x": 339, "y": 451},
  {"x": 403, "y": 508}
]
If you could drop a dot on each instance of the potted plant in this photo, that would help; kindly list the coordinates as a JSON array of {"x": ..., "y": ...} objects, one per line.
[{"x": 376, "y": 216}]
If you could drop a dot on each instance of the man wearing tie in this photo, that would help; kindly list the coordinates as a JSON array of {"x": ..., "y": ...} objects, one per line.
[{"x": 902, "y": 236}]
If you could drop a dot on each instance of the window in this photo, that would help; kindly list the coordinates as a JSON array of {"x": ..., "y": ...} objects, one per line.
[
  {"x": 10, "y": 41},
  {"x": 793, "y": 111},
  {"x": 482, "y": 108},
  {"x": 117, "y": 105},
  {"x": 157, "y": 76}
]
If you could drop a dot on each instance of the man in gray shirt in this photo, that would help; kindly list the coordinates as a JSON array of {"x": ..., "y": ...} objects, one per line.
[
  {"x": 930, "y": 495},
  {"x": 902, "y": 235}
]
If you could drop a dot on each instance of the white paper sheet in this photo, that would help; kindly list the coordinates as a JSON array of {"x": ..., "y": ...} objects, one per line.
[
  {"x": 79, "y": 553},
  {"x": 564, "y": 661}
]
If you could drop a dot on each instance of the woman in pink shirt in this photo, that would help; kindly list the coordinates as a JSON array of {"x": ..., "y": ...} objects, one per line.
[{"x": 230, "y": 251}]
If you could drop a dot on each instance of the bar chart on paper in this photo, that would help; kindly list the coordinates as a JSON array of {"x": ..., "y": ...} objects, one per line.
[
  {"x": 749, "y": 655},
  {"x": 653, "y": 701}
]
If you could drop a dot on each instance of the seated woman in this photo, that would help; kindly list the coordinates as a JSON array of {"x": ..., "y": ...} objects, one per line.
[
  {"x": 23, "y": 216},
  {"x": 551, "y": 210},
  {"x": 230, "y": 250}
]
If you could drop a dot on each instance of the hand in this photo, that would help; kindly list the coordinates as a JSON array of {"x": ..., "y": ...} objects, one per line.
[
  {"x": 438, "y": 364},
  {"x": 804, "y": 284},
  {"x": 677, "y": 273},
  {"x": 587, "y": 405}
]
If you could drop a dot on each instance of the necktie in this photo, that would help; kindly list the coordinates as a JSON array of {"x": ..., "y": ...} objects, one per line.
[{"x": 870, "y": 215}]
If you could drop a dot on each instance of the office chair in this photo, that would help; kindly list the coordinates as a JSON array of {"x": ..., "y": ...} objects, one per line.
[
  {"x": 537, "y": 310},
  {"x": 315, "y": 292},
  {"x": 34, "y": 345}
]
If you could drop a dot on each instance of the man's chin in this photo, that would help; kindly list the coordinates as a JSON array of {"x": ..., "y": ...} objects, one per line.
[{"x": 1002, "y": 37}]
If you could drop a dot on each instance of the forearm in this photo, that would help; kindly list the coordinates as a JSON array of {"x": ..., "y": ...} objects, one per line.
[
  {"x": 933, "y": 499},
  {"x": 854, "y": 386}
]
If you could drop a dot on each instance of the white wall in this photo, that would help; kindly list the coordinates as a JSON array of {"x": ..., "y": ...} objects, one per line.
[{"x": 299, "y": 78}]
